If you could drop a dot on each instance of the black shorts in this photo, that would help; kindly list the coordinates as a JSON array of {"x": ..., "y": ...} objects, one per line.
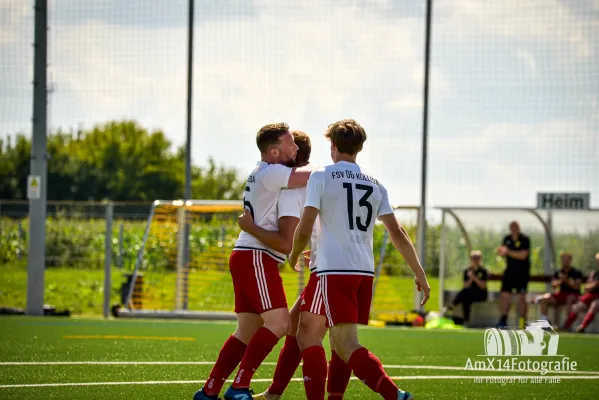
[{"x": 517, "y": 282}]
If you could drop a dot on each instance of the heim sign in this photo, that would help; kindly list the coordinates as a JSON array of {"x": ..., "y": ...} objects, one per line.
[{"x": 564, "y": 201}]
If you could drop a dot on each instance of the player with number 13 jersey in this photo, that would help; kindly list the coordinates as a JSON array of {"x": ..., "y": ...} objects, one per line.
[{"x": 349, "y": 200}]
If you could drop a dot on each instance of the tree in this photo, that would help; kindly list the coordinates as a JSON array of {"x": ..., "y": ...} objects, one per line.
[{"x": 119, "y": 160}]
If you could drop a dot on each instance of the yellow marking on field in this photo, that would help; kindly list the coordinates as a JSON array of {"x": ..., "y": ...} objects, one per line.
[{"x": 128, "y": 337}]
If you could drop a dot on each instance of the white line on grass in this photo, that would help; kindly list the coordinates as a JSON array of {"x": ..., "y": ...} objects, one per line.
[
  {"x": 425, "y": 367},
  {"x": 419, "y": 377},
  {"x": 115, "y": 363}
]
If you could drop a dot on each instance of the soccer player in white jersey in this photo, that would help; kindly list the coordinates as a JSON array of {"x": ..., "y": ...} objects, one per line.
[
  {"x": 347, "y": 200},
  {"x": 308, "y": 310},
  {"x": 260, "y": 305}
]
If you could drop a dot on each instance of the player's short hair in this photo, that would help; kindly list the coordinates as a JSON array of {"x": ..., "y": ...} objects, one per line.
[
  {"x": 302, "y": 140},
  {"x": 347, "y": 135},
  {"x": 270, "y": 134},
  {"x": 476, "y": 254}
]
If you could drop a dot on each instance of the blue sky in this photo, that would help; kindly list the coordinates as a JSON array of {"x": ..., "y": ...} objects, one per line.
[{"x": 514, "y": 87}]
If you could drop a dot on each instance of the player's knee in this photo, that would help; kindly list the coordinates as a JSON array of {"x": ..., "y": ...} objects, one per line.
[
  {"x": 345, "y": 350},
  {"x": 244, "y": 334},
  {"x": 594, "y": 306},
  {"x": 578, "y": 307},
  {"x": 279, "y": 324},
  {"x": 345, "y": 343},
  {"x": 308, "y": 334},
  {"x": 544, "y": 299}
]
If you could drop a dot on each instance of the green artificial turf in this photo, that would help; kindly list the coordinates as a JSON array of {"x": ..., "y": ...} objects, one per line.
[
  {"x": 51, "y": 339},
  {"x": 81, "y": 291}
]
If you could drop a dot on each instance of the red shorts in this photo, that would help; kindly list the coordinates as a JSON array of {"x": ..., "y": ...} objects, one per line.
[
  {"x": 347, "y": 298},
  {"x": 257, "y": 283},
  {"x": 562, "y": 297},
  {"x": 588, "y": 298},
  {"x": 312, "y": 296}
]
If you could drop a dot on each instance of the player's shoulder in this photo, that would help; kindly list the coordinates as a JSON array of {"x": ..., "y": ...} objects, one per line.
[
  {"x": 264, "y": 168},
  {"x": 320, "y": 173}
]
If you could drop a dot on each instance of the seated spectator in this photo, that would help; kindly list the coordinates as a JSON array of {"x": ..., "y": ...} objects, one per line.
[
  {"x": 566, "y": 287},
  {"x": 475, "y": 286},
  {"x": 589, "y": 300}
]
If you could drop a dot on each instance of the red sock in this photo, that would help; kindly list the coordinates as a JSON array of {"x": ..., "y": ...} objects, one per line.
[
  {"x": 369, "y": 370},
  {"x": 228, "y": 359},
  {"x": 588, "y": 318},
  {"x": 315, "y": 372},
  {"x": 571, "y": 318},
  {"x": 259, "y": 347},
  {"x": 289, "y": 359},
  {"x": 339, "y": 374}
]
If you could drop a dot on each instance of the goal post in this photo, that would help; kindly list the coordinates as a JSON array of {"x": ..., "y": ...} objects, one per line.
[{"x": 170, "y": 282}]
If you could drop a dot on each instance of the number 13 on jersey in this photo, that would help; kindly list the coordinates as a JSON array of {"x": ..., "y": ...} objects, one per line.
[{"x": 363, "y": 202}]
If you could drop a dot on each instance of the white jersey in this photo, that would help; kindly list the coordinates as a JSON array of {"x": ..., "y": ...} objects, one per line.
[
  {"x": 261, "y": 196},
  {"x": 291, "y": 204},
  {"x": 349, "y": 201}
]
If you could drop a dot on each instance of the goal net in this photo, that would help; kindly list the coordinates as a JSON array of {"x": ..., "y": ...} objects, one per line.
[{"x": 169, "y": 281}]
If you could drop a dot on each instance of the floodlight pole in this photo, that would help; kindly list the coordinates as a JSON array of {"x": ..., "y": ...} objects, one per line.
[
  {"x": 421, "y": 239},
  {"x": 187, "y": 195},
  {"x": 37, "y": 203}
]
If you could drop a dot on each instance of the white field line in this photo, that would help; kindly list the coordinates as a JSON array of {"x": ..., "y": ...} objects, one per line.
[
  {"x": 115, "y": 363},
  {"x": 420, "y": 377},
  {"x": 425, "y": 367}
]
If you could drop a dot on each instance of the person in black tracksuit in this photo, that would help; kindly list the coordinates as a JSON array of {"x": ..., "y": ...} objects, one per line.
[
  {"x": 475, "y": 285},
  {"x": 516, "y": 250}
]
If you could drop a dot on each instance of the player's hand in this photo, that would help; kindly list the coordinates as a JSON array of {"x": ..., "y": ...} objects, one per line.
[
  {"x": 502, "y": 251},
  {"x": 423, "y": 286},
  {"x": 470, "y": 274},
  {"x": 245, "y": 220},
  {"x": 306, "y": 259},
  {"x": 293, "y": 262}
]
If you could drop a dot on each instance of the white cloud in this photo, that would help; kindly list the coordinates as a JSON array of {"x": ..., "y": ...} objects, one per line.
[
  {"x": 547, "y": 21},
  {"x": 529, "y": 62},
  {"x": 317, "y": 62}
]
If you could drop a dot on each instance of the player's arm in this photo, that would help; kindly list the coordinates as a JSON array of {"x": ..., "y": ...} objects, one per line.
[
  {"x": 556, "y": 281},
  {"x": 517, "y": 254},
  {"x": 299, "y": 176},
  {"x": 280, "y": 240},
  {"x": 521, "y": 254},
  {"x": 575, "y": 282},
  {"x": 402, "y": 242},
  {"x": 479, "y": 282},
  {"x": 303, "y": 233},
  {"x": 591, "y": 283},
  {"x": 466, "y": 278}
]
